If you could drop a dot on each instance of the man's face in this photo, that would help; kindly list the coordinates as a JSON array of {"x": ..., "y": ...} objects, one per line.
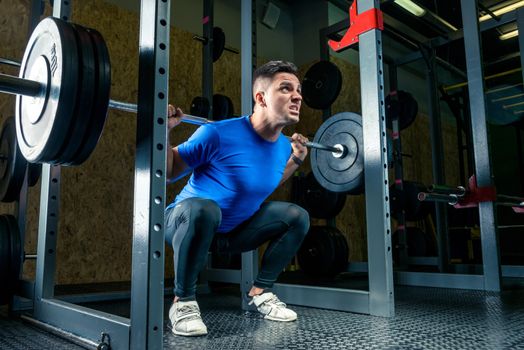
[{"x": 283, "y": 98}]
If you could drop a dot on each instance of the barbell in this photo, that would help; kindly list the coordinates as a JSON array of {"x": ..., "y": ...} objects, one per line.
[
  {"x": 35, "y": 89},
  {"x": 62, "y": 99}
]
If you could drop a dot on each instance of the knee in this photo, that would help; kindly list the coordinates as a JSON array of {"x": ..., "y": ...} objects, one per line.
[
  {"x": 205, "y": 211},
  {"x": 299, "y": 218}
]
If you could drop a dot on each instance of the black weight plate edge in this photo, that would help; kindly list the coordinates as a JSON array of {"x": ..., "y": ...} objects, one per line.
[
  {"x": 219, "y": 42},
  {"x": 16, "y": 164},
  {"x": 358, "y": 181},
  {"x": 311, "y": 98},
  {"x": 34, "y": 171},
  {"x": 16, "y": 250},
  {"x": 5, "y": 261},
  {"x": 303, "y": 255},
  {"x": 4, "y": 171},
  {"x": 325, "y": 247},
  {"x": 337, "y": 256},
  {"x": 221, "y": 107},
  {"x": 68, "y": 52},
  {"x": 86, "y": 91},
  {"x": 200, "y": 106},
  {"x": 344, "y": 250},
  {"x": 101, "y": 98},
  {"x": 333, "y": 256},
  {"x": 316, "y": 209},
  {"x": 409, "y": 108}
]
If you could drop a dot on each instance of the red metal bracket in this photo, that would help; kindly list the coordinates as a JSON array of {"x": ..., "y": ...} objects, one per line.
[
  {"x": 475, "y": 195},
  {"x": 358, "y": 24}
]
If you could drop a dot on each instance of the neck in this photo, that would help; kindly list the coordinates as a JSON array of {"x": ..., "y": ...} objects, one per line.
[{"x": 262, "y": 126}]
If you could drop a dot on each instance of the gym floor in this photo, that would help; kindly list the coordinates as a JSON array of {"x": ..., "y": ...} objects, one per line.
[{"x": 426, "y": 318}]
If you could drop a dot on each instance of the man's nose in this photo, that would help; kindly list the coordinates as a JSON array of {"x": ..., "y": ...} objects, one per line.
[{"x": 297, "y": 96}]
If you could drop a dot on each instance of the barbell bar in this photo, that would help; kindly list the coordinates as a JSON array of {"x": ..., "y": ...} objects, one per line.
[
  {"x": 9, "y": 62},
  {"x": 338, "y": 150},
  {"x": 25, "y": 87}
]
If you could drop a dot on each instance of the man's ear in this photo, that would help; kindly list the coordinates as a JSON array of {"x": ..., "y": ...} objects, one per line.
[{"x": 259, "y": 98}]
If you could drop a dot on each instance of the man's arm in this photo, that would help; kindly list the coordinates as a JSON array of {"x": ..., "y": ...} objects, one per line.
[
  {"x": 291, "y": 167},
  {"x": 175, "y": 166},
  {"x": 297, "y": 156}
]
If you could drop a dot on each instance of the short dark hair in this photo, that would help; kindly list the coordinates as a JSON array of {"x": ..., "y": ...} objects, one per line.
[{"x": 271, "y": 68}]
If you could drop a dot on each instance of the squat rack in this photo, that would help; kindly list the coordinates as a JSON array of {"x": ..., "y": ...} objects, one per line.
[{"x": 144, "y": 329}]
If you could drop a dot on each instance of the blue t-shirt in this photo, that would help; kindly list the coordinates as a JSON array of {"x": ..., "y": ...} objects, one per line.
[{"x": 234, "y": 166}]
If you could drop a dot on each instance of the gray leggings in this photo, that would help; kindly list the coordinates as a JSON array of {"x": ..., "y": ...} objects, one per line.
[{"x": 191, "y": 226}]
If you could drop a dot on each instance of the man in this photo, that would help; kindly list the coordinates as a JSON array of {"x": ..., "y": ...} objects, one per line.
[{"x": 237, "y": 164}]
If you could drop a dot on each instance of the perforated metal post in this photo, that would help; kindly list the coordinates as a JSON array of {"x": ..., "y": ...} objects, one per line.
[
  {"x": 437, "y": 152},
  {"x": 49, "y": 207},
  {"x": 489, "y": 240},
  {"x": 207, "y": 54},
  {"x": 520, "y": 28},
  {"x": 147, "y": 279},
  {"x": 380, "y": 266},
  {"x": 21, "y": 205},
  {"x": 248, "y": 42}
]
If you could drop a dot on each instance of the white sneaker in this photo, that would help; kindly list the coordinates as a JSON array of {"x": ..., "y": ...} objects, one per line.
[
  {"x": 272, "y": 308},
  {"x": 186, "y": 320}
]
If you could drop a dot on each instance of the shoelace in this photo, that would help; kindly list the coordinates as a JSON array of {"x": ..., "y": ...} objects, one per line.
[
  {"x": 275, "y": 301},
  {"x": 188, "y": 312}
]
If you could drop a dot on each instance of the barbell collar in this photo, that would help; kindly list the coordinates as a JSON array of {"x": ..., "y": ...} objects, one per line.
[
  {"x": 451, "y": 199},
  {"x": 19, "y": 86},
  {"x": 458, "y": 191}
]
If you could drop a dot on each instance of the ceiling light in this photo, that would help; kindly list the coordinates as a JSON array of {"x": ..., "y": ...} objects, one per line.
[
  {"x": 503, "y": 10},
  {"x": 508, "y": 35},
  {"x": 410, "y": 6}
]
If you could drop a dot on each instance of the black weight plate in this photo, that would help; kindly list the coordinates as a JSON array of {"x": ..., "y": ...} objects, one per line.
[
  {"x": 51, "y": 57},
  {"x": 321, "y": 85},
  {"x": 219, "y": 42},
  {"x": 403, "y": 106},
  {"x": 200, "y": 107},
  {"x": 34, "y": 171},
  {"x": 342, "y": 250},
  {"x": 316, "y": 254},
  {"x": 12, "y": 163},
  {"x": 346, "y": 173},
  {"x": 415, "y": 240},
  {"x": 407, "y": 199},
  {"x": 86, "y": 91},
  {"x": 319, "y": 202},
  {"x": 324, "y": 252},
  {"x": 5, "y": 261},
  {"x": 100, "y": 105},
  {"x": 222, "y": 107},
  {"x": 339, "y": 264},
  {"x": 415, "y": 209},
  {"x": 16, "y": 250}
]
